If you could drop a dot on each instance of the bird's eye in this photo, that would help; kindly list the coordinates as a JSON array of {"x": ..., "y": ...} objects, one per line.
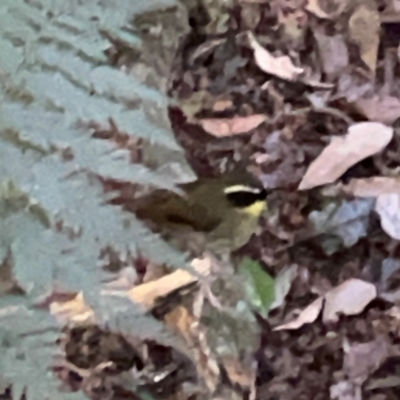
[{"x": 243, "y": 198}]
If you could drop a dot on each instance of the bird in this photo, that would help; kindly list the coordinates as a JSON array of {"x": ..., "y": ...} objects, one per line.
[{"x": 214, "y": 214}]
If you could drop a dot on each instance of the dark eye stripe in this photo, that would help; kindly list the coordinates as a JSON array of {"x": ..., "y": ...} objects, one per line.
[{"x": 244, "y": 199}]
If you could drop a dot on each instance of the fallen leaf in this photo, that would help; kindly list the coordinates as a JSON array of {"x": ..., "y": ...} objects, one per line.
[
  {"x": 293, "y": 23},
  {"x": 146, "y": 294},
  {"x": 392, "y": 296},
  {"x": 386, "y": 382},
  {"x": 388, "y": 268},
  {"x": 372, "y": 187},
  {"x": 362, "y": 359},
  {"x": 75, "y": 310},
  {"x": 307, "y": 316},
  {"x": 333, "y": 52},
  {"x": 222, "y": 105},
  {"x": 223, "y": 127},
  {"x": 364, "y": 27},
  {"x": 194, "y": 103},
  {"x": 388, "y": 207},
  {"x": 314, "y": 7},
  {"x": 181, "y": 321},
  {"x": 385, "y": 109},
  {"x": 347, "y": 220},
  {"x": 283, "y": 283},
  {"x": 349, "y": 298},
  {"x": 345, "y": 390},
  {"x": 239, "y": 373},
  {"x": 363, "y": 139},
  {"x": 353, "y": 85},
  {"x": 281, "y": 67}
]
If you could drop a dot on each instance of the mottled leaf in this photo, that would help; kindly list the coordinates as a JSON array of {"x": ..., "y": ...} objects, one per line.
[
  {"x": 282, "y": 66},
  {"x": 363, "y": 139}
]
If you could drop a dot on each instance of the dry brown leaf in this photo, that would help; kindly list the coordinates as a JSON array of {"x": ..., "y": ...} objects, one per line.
[
  {"x": 364, "y": 27},
  {"x": 281, "y": 67},
  {"x": 388, "y": 208},
  {"x": 223, "y": 127},
  {"x": 349, "y": 298},
  {"x": 372, "y": 187},
  {"x": 307, "y": 316},
  {"x": 180, "y": 320},
  {"x": 75, "y": 310},
  {"x": 239, "y": 373},
  {"x": 222, "y": 105},
  {"x": 362, "y": 359},
  {"x": 384, "y": 109},
  {"x": 363, "y": 139},
  {"x": 146, "y": 294}
]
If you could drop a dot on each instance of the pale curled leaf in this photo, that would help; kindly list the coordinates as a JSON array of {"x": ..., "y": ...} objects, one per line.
[
  {"x": 307, "y": 316},
  {"x": 385, "y": 109},
  {"x": 362, "y": 140},
  {"x": 372, "y": 187},
  {"x": 222, "y": 127},
  {"x": 281, "y": 67},
  {"x": 349, "y": 298},
  {"x": 388, "y": 207}
]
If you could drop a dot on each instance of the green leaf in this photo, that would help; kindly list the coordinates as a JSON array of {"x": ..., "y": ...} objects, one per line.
[{"x": 259, "y": 285}]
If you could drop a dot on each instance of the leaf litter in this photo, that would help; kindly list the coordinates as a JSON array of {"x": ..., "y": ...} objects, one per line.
[
  {"x": 305, "y": 94},
  {"x": 362, "y": 140},
  {"x": 328, "y": 147}
]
